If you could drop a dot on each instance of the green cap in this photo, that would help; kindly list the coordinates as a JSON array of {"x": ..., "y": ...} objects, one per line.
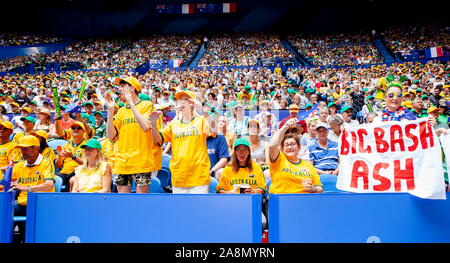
[
  {"x": 346, "y": 108},
  {"x": 92, "y": 143},
  {"x": 29, "y": 118},
  {"x": 241, "y": 141},
  {"x": 308, "y": 105},
  {"x": 88, "y": 103},
  {"x": 143, "y": 96},
  {"x": 99, "y": 112},
  {"x": 331, "y": 104}
]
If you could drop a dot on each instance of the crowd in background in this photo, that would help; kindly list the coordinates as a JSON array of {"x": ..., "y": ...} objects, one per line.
[
  {"x": 242, "y": 49},
  {"x": 337, "y": 49},
  {"x": 404, "y": 39},
  {"x": 20, "y": 39}
]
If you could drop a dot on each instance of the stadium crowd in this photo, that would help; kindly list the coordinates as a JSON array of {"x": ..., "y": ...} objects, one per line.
[
  {"x": 16, "y": 39},
  {"x": 117, "y": 53},
  {"x": 242, "y": 49},
  {"x": 336, "y": 49},
  {"x": 198, "y": 116},
  {"x": 404, "y": 39}
]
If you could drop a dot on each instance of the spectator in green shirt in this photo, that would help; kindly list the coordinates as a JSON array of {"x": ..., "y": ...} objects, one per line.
[{"x": 99, "y": 126}]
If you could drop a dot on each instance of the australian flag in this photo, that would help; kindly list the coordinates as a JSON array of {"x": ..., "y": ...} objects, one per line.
[{"x": 205, "y": 8}]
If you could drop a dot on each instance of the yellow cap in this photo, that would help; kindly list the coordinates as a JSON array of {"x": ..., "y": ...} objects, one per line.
[
  {"x": 407, "y": 104},
  {"x": 7, "y": 124},
  {"x": 40, "y": 133},
  {"x": 130, "y": 80},
  {"x": 28, "y": 141},
  {"x": 431, "y": 109},
  {"x": 79, "y": 123},
  {"x": 27, "y": 109},
  {"x": 180, "y": 93},
  {"x": 293, "y": 107}
]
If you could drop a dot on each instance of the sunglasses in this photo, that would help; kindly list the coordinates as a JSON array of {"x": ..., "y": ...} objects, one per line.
[
  {"x": 76, "y": 128},
  {"x": 293, "y": 130},
  {"x": 398, "y": 94}
]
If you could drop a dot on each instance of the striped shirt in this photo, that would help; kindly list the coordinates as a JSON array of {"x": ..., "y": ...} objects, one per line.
[{"x": 324, "y": 159}]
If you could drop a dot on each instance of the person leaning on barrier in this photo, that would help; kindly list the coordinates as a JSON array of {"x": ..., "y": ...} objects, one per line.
[
  {"x": 94, "y": 175},
  {"x": 242, "y": 175},
  {"x": 289, "y": 173},
  {"x": 34, "y": 174}
]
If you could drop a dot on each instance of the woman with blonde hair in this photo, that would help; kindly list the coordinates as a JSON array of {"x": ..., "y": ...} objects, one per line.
[{"x": 94, "y": 175}]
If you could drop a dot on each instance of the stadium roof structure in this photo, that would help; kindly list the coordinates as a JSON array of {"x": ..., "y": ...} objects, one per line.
[{"x": 81, "y": 18}]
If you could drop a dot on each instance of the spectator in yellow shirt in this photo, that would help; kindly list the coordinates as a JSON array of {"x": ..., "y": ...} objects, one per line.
[
  {"x": 94, "y": 175},
  {"x": 187, "y": 134},
  {"x": 289, "y": 173}
]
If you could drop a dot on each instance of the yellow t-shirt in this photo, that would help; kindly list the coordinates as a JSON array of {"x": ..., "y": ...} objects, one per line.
[
  {"x": 7, "y": 151},
  {"x": 90, "y": 180},
  {"x": 287, "y": 177},
  {"x": 35, "y": 175},
  {"x": 69, "y": 164},
  {"x": 379, "y": 94},
  {"x": 49, "y": 153},
  {"x": 229, "y": 179},
  {"x": 108, "y": 148},
  {"x": 136, "y": 151},
  {"x": 337, "y": 96},
  {"x": 190, "y": 163},
  {"x": 277, "y": 71}
]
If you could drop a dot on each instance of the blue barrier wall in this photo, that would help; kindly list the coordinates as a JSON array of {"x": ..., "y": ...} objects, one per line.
[
  {"x": 358, "y": 218},
  {"x": 143, "y": 218},
  {"x": 6, "y": 217}
]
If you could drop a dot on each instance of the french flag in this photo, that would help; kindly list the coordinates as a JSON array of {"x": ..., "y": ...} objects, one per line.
[
  {"x": 228, "y": 8},
  {"x": 188, "y": 8},
  {"x": 175, "y": 63},
  {"x": 434, "y": 52}
]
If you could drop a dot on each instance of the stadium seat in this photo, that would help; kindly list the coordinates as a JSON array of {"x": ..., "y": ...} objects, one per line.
[
  {"x": 155, "y": 186},
  {"x": 212, "y": 185},
  {"x": 329, "y": 183},
  {"x": 58, "y": 183},
  {"x": 54, "y": 143},
  {"x": 164, "y": 177}
]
